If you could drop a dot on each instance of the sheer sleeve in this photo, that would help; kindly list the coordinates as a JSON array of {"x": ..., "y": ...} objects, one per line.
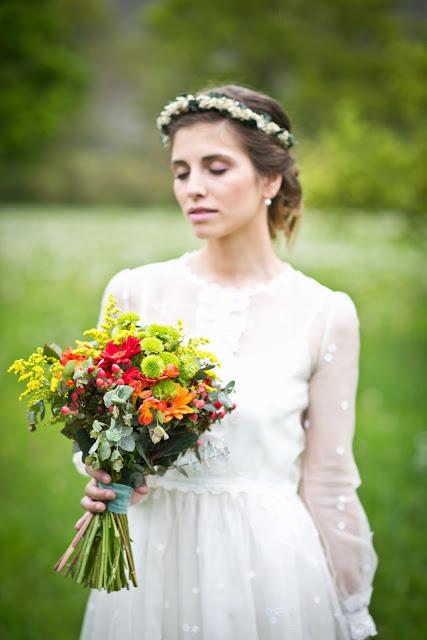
[
  {"x": 119, "y": 286},
  {"x": 329, "y": 473}
]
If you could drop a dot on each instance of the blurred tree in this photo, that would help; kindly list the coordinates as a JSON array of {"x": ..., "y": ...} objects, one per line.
[
  {"x": 306, "y": 52},
  {"x": 42, "y": 73},
  {"x": 316, "y": 57}
]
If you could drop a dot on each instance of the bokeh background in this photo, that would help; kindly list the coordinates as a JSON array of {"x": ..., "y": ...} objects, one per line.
[{"x": 85, "y": 190}]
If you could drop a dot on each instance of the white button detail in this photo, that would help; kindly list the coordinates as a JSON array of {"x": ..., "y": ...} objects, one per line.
[
  {"x": 306, "y": 424},
  {"x": 332, "y": 347},
  {"x": 197, "y": 549},
  {"x": 273, "y": 620},
  {"x": 186, "y": 627},
  {"x": 342, "y": 498},
  {"x": 195, "y": 628},
  {"x": 344, "y": 405},
  {"x": 316, "y": 599},
  {"x": 195, "y": 590},
  {"x": 328, "y": 357},
  {"x": 340, "y": 451},
  {"x": 340, "y": 506},
  {"x": 160, "y": 546},
  {"x": 251, "y": 574},
  {"x": 341, "y": 525}
]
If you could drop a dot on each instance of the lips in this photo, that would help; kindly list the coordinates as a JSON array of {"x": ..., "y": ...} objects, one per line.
[{"x": 201, "y": 213}]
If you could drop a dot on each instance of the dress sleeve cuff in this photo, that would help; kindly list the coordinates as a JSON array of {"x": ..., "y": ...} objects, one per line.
[
  {"x": 78, "y": 462},
  {"x": 361, "y": 624}
]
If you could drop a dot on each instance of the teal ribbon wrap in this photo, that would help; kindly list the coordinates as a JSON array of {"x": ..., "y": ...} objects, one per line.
[{"x": 121, "y": 502}]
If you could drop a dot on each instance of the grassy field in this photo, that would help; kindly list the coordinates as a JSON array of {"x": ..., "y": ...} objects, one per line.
[{"x": 55, "y": 263}]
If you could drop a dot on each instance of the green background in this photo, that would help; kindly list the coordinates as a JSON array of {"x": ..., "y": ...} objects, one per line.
[
  {"x": 85, "y": 190},
  {"x": 55, "y": 264}
]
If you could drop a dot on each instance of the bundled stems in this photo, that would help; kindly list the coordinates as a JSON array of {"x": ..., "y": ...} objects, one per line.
[{"x": 100, "y": 555}]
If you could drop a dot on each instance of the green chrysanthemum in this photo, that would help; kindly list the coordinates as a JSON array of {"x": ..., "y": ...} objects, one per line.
[
  {"x": 170, "y": 358},
  {"x": 189, "y": 366},
  {"x": 164, "y": 389},
  {"x": 152, "y": 345},
  {"x": 127, "y": 318},
  {"x": 152, "y": 366},
  {"x": 168, "y": 335}
]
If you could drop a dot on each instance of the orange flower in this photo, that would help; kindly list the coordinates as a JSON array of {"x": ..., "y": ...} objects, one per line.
[
  {"x": 179, "y": 405},
  {"x": 68, "y": 355},
  {"x": 145, "y": 410}
]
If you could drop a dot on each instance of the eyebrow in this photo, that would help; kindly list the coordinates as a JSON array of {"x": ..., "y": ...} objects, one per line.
[{"x": 214, "y": 156}]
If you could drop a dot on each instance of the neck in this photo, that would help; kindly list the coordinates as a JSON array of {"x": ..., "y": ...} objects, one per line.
[{"x": 238, "y": 260}]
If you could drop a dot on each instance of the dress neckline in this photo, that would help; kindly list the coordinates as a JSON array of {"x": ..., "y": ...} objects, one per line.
[{"x": 248, "y": 289}]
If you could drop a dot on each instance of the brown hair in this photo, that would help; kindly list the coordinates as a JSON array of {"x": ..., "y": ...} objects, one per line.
[{"x": 268, "y": 156}]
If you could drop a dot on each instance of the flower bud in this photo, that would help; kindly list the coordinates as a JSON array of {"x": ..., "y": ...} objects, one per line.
[
  {"x": 115, "y": 368},
  {"x": 101, "y": 373},
  {"x": 65, "y": 410},
  {"x": 200, "y": 404},
  {"x": 218, "y": 405},
  {"x": 120, "y": 381},
  {"x": 99, "y": 383}
]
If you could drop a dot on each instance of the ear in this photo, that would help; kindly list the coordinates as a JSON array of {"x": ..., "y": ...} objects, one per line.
[{"x": 271, "y": 185}]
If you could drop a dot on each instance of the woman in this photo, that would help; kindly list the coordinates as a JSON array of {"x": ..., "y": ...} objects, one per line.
[{"x": 267, "y": 539}]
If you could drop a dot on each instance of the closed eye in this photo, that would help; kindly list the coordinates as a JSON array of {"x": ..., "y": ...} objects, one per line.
[{"x": 185, "y": 174}]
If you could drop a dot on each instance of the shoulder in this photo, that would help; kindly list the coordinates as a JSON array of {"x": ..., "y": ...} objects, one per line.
[
  {"x": 141, "y": 272},
  {"x": 335, "y": 306}
]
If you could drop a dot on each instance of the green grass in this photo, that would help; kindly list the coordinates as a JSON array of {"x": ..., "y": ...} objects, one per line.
[{"x": 55, "y": 263}]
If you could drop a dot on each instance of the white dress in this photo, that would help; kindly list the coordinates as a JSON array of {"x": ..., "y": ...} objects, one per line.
[{"x": 267, "y": 540}]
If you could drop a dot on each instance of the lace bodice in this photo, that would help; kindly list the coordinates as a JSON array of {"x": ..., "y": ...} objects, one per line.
[{"x": 292, "y": 346}]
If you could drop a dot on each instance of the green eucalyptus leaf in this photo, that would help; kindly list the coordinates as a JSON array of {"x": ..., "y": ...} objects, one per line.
[
  {"x": 52, "y": 351},
  {"x": 104, "y": 450},
  {"x": 68, "y": 371},
  {"x": 95, "y": 446},
  {"x": 127, "y": 443},
  {"x": 113, "y": 435},
  {"x": 225, "y": 400},
  {"x": 229, "y": 387}
]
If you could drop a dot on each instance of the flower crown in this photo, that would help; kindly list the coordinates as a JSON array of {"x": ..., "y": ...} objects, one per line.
[{"x": 228, "y": 107}]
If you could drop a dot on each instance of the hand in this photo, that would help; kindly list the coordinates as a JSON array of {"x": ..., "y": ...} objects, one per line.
[{"x": 94, "y": 499}]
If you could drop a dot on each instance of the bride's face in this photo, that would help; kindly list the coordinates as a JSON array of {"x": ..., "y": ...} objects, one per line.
[{"x": 215, "y": 182}]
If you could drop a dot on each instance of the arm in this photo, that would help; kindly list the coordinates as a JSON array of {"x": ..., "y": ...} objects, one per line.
[{"x": 329, "y": 475}]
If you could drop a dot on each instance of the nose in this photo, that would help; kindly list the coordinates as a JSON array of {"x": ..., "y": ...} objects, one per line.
[{"x": 195, "y": 185}]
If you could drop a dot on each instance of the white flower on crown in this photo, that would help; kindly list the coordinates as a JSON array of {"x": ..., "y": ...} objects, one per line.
[{"x": 233, "y": 107}]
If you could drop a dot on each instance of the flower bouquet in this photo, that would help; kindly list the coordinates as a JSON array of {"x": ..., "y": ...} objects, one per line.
[{"x": 133, "y": 398}]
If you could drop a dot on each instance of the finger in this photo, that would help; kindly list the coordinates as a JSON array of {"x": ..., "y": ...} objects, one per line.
[
  {"x": 95, "y": 493},
  {"x": 91, "y": 505},
  {"x": 136, "y": 497},
  {"x": 98, "y": 475},
  {"x": 143, "y": 489}
]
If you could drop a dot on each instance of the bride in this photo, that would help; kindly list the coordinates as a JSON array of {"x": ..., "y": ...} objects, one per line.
[{"x": 267, "y": 538}]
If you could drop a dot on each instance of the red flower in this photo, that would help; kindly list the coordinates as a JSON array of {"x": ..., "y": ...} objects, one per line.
[
  {"x": 133, "y": 373},
  {"x": 118, "y": 353}
]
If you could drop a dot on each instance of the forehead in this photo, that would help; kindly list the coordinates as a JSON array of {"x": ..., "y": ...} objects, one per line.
[{"x": 206, "y": 139}]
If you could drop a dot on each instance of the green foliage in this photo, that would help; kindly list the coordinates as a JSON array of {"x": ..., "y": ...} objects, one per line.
[
  {"x": 359, "y": 164},
  {"x": 375, "y": 256},
  {"x": 350, "y": 75},
  {"x": 41, "y": 76}
]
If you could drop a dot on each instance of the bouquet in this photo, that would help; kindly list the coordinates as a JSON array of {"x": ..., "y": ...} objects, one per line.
[{"x": 132, "y": 397}]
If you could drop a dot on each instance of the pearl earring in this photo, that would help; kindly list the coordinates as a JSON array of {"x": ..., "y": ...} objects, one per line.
[{"x": 267, "y": 201}]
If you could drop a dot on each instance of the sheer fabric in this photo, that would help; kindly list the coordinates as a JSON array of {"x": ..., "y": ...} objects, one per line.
[{"x": 280, "y": 477}]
